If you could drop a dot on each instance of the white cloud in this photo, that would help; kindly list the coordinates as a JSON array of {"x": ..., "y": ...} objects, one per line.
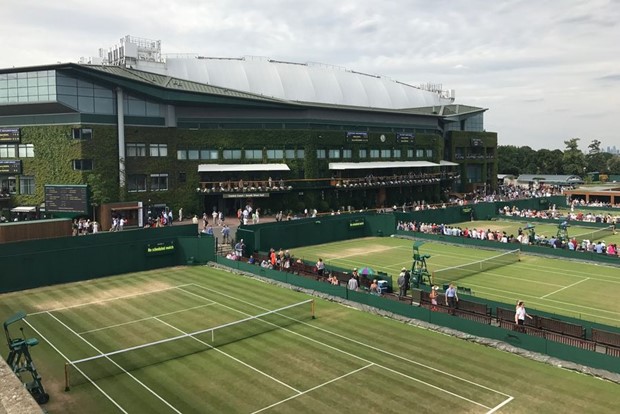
[{"x": 547, "y": 71}]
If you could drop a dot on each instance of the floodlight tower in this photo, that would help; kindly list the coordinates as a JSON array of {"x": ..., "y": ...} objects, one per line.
[{"x": 20, "y": 360}]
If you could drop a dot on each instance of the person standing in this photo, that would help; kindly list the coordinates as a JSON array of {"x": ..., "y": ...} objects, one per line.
[
  {"x": 320, "y": 267},
  {"x": 402, "y": 289},
  {"x": 433, "y": 295},
  {"x": 452, "y": 299},
  {"x": 225, "y": 233},
  {"x": 521, "y": 314},
  {"x": 170, "y": 217},
  {"x": 352, "y": 284},
  {"x": 181, "y": 214}
]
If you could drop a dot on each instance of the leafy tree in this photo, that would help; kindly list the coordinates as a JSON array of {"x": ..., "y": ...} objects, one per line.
[
  {"x": 596, "y": 159},
  {"x": 574, "y": 161},
  {"x": 549, "y": 162},
  {"x": 613, "y": 164}
]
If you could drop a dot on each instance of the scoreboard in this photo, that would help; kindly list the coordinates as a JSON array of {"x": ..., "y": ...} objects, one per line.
[{"x": 66, "y": 199}]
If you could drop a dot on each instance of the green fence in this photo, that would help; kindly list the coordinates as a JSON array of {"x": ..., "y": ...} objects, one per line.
[
  {"x": 35, "y": 263},
  {"x": 528, "y": 342}
]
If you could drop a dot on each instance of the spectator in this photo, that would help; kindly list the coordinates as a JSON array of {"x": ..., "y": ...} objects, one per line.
[
  {"x": 374, "y": 288},
  {"x": 225, "y": 234},
  {"x": 352, "y": 284},
  {"x": 239, "y": 248},
  {"x": 320, "y": 267},
  {"x": 521, "y": 314},
  {"x": 402, "y": 288},
  {"x": 433, "y": 295}
]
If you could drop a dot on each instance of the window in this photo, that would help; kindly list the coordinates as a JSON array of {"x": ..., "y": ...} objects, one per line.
[
  {"x": 159, "y": 182},
  {"x": 83, "y": 165},
  {"x": 363, "y": 153},
  {"x": 26, "y": 185},
  {"x": 396, "y": 153},
  {"x": 7, "y": 151},
  {"x": 82, "y": 133},
  {"x": 429, "y": 153},
  {"x": 232, "y": 154},
  {"x": 386, "y": 153},
  {"x": 289, "y": 154},
  {"x": 347, "y": 154},
  {"x": 275, "y": 154},
  {"x": 182, "y": 154},
  {"x": 182, "y": 177},
  {"x": 334, "y": 154},
  {"x": 136, "y": 182},
  {"x": 409, "y": 153},
  {"x": 253, "y": 154},
  {"x": 193, "y": 154},
  {"x": 320, "y": 154},
  {"x": 209, "y": 154},
  {"x": 301, "y": 154},
  {"x": 374, "y": 153},
  {"x": 25, "y": 150},
  {"x": 136, "y": 150},
  {"x": 158, "y": 150},
  {"x": 419, "y": 153}
]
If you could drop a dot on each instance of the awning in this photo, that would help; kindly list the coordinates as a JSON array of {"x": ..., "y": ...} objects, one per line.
[
  {"x": 379, "y": 164},
  {"x": 242, "y": 167},
  {"x": 24, "y": 209},
  {"x": 136, "y": 207},
  {"x": 445, "y": 163}
]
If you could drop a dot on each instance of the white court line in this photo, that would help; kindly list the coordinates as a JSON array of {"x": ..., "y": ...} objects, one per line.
[
  {"x": 231, "y": 357},
  {"x": 145, "y": 319},
  {"x": 79, "y": 370},
  {"x": 353, "y": 355},
  {"x": 110, "y": 299},
  {"x": 313, "y": 388},
  {"x": 565, "y": 287},
  {"x": 117, "y": 365},
  {"x": 497, "y": 407}
]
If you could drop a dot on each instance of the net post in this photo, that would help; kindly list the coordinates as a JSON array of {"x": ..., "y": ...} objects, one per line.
[
  {"x": 67, "y": 385},
  {"x": 312, "y": 308}
]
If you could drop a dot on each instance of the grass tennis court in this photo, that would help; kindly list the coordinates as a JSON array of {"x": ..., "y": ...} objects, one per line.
[
  {"x": 566, "y": 287},
  {"x": 342, "y": 361}
]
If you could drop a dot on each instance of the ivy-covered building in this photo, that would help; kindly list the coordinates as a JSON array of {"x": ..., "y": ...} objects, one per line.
[{"x": 158, "y": 133}]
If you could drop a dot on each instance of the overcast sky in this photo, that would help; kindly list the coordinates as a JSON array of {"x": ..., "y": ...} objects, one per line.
[{"x": 546, "y": 70}]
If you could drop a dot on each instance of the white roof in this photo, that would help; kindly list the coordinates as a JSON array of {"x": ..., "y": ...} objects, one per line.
[
  {"x": 24, "y": 209},
  {"x": 446, "y": 163},
  {"x": 380, "y": 164},
  {"x": 242, "y": 167},
  {"x": 313, "y": 83}
]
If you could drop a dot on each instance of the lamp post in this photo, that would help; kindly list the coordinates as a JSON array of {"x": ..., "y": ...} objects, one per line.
[{"x": 94, "y": 205}]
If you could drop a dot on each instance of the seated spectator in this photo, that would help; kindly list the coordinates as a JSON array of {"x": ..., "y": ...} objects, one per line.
[{"x": 374, "y": 288}]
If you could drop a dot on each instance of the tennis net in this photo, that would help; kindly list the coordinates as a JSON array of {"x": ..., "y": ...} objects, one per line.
[
  {"x": 594, "y": 235},
  {"x": 451, "y": 274},
  {"x": 124, "y": 361}
]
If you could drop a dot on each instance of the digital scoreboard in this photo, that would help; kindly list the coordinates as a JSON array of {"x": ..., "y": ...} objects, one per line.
[{"x": 66, "y": 199}]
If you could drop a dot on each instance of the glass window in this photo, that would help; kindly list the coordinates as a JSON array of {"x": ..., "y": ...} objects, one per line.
[
  {"x": 334, "y": 154},
  {"x": 82, "y": 133},
  {"x": 136, "y": 150},
  {"x": 209, "y": 154},
  {"x": 83, "y": 165},
  {"x": 347, "y": 153},
  {"x": 7, "y": 151},
  {"x": 181, "y": 154},
  {"x": 320, "y": 154},
  {"x": 159, "y": 182},
  {"x": 26, "y": 185},
  {"x": 231, "y": 154},
  {"x": 301, "y": 154},
  {"x": 136, "y": 182},
  {"x": 158, "y": 150},
  {"x": 193, "y": 154},
  {"x": 419, "y": 153},
  {"x": 386, "y": 153},
  {"x": 275, "y": 154},
  {"x": 429, "y": 153},
  {"x": 374, "y": 153},
  {"x": 363, "y": 153},
  {"x": 409, "y": 153},
  {"x": 290, "y": 154},
  {"x": 253, "y": 154},
  {"x": 396, "y": 153},
  {"x": 25, "y": 150}
]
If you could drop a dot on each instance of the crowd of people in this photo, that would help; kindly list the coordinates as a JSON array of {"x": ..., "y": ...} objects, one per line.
[{"x": 555, "y": 214}]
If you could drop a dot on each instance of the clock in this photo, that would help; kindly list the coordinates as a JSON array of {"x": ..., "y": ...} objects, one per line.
[{"x": 382, "y": 138}]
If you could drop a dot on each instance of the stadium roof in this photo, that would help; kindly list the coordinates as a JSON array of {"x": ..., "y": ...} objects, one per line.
[{"x": 379, "y": 164}]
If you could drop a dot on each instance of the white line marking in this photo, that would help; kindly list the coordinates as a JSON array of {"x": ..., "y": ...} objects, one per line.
[
  {"x": 144, "y": 319},
  {"x": 313, "y": 388},
  {"x": 79, "y": 370},
  {"x": 500, "y": 405},
  {"x": 231, "y": 357},
  {"x": 117, "y": 365},
  {"x": 110, "y": 299},
  {"x": 565, "y": 287},
  {"x": 360, "y": 358}
]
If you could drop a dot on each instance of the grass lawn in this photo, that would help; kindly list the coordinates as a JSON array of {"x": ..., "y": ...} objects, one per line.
[{"x": 345, "y": 360}]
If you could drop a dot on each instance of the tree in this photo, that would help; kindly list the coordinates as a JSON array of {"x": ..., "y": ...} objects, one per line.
[
  {"x": 596, "y": 159},
  {"x": 613, "y": 164},
  {"x": 574, "y": 162},
  {"x": 549, "y": 162}
]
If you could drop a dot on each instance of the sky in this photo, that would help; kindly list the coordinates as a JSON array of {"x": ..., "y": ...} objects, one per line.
[{"x": 547, "y": 70}]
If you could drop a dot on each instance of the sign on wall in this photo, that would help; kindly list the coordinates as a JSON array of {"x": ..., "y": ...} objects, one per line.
[
  {"x": 10, "y": 135},
  {"x": 10, "y": 166},
  {"x": 66, "y": 199}
]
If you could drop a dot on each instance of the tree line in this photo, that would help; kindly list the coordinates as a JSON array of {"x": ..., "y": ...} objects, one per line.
[{"x": 524, "y": 160}]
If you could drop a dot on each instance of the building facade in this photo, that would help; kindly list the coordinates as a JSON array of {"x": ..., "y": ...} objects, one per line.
[{"x": 145, "y": 135}]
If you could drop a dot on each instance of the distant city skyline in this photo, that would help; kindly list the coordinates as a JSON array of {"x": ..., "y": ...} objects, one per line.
[{"x": 546, "y": 73}]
